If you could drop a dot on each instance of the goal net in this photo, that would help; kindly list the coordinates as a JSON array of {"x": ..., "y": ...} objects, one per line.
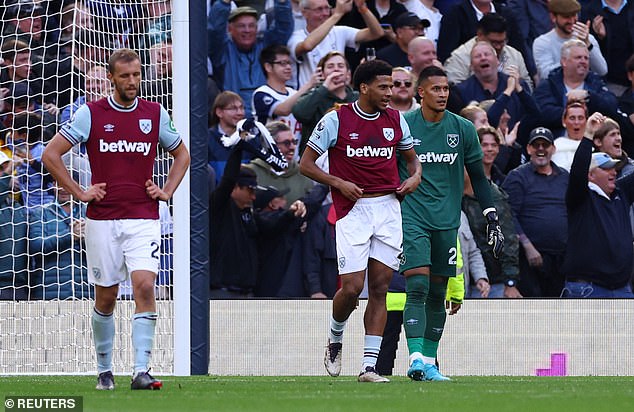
[{"x": 54, "y": 56}]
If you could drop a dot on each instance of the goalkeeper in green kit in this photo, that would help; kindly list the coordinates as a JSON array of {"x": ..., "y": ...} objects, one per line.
[{"x": 445, "y": 144}]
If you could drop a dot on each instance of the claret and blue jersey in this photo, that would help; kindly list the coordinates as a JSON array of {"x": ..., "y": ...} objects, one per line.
[
  {"x": 361, "y": 149},
  {"x": 121, "y": 143}
]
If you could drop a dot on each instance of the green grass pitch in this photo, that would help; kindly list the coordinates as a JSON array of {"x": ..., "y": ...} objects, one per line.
[{"x": 212, "y": 393}]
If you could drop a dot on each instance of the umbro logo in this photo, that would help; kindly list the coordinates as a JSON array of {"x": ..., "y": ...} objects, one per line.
[
  {"x": 353, "y": 136},
  {"x": 108, "y": 128}
]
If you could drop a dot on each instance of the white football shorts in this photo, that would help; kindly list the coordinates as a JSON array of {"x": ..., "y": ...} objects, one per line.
[
  {"x": 372, "y": 229},
  {"x": 116, "y": 248}
]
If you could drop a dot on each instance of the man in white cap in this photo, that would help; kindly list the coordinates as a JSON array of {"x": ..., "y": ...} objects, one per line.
[{"x": 598, "y": 260}]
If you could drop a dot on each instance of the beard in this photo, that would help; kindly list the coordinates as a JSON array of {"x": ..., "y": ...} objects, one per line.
[
  {"x": 565, "y": 28},
  {"x": 400, "y": 100},
  {"x": 124, "y": 96}
]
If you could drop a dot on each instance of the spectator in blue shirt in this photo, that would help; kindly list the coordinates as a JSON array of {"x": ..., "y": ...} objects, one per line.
[
  {"x": 234, "y": 47},
  {"x": 56, "y": 236},
  {"x": 33, "y": 179},
  {"x": 509, "y": 91},
  {"x": 13, "y": 239},
  {"x": 97, "y": 86},
  {"x": 226, "y": 112},
  {"x": 537, "y": 192},
  {"x": 573, "y": 81}
]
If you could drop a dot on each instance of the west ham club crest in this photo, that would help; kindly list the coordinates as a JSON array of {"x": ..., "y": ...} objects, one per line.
[
  {"x": 145, "y": 125},
  {"x": 453, "y": 139}
]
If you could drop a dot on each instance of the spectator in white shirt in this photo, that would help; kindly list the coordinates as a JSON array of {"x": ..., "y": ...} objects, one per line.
[{"x": 321, "y": 36}]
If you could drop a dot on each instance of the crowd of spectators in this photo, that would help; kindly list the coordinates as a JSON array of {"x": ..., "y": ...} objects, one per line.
[
  {"x": 53, "y": 59},
  {"x": 528, "y": 74}
]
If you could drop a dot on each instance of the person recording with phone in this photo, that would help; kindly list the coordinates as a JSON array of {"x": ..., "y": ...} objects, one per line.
[
  {"x": 33, "y": 179},
  {"x": 333, "y": 73},
  {"x": 370, "y": 54},
  {"x": 326, "y": 32},
  {"x": 14, "y": 259},
  {"x": 405, "y": 27},
  {"x": 386, "y": 12}
]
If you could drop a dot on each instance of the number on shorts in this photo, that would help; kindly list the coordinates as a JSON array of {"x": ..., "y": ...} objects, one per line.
[
  {"x": 155, "y": 251},
  {"x": 453, "y": 252}
]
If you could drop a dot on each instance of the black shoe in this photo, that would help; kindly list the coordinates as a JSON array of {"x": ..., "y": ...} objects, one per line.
[
  {"x": 143, "y": 380},
  {"x": 105, "y": 381}
]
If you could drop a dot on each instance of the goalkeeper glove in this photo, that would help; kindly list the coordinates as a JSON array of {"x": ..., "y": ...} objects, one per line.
[{"x": 495, "y": 237}]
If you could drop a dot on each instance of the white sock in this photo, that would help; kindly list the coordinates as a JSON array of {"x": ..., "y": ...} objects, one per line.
[
  {"x": 414, "y": 356},
  {"x": 427, "y": 359},
  {"x": 103, "y": 337},
  {"x": 335, "y": 335},
  {"x": 371, "y": 348},
  {"x": 143, "y": 339}
]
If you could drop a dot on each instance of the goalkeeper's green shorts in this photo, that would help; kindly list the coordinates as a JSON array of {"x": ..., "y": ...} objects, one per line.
[{"x": 434, "y": 248}]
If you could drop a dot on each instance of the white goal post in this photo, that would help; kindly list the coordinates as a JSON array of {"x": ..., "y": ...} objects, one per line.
[
  {"x": 54, "y": 55},
  {"x": 180, "y": 99}
]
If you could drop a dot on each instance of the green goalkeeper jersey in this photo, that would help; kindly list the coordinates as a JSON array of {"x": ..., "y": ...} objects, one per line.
[{"x": 443, "y": 148}]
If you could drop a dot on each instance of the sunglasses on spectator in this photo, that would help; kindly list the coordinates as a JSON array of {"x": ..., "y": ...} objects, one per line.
[
  {"x": 398, "y": 83},
  {"x": 288, "y": 143}
]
